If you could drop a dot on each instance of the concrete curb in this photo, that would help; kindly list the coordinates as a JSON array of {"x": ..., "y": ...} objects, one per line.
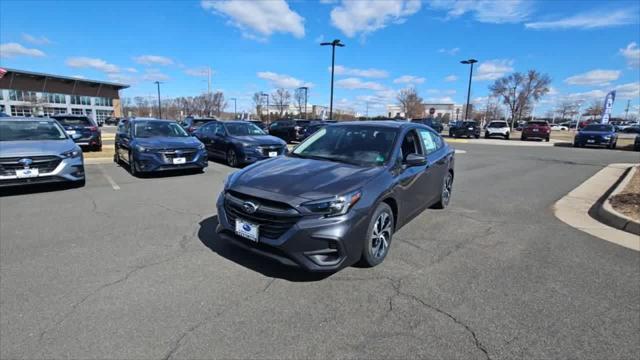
[
  {"x": 612, "y": 217},
  {"x": 100, "y": 160},
  {"x": 573, "y": 209}
]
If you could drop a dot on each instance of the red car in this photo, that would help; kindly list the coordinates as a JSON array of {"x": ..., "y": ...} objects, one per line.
[{"x": 536, "y": 130}]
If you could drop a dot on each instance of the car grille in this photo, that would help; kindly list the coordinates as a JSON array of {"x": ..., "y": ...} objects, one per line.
[
  {"x": 44, "y": 164},
  {"x": 169, "y": 155},
  {"x": 265, "y": 150},
  {"x": 274, "y": 218}
]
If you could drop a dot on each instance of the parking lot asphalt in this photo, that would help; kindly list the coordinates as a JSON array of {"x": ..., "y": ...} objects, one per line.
[{"x": 132, "y": 268}]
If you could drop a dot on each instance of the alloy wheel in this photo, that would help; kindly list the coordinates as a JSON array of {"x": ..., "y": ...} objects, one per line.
[
  {"x": 447, "y": 187},
  {"x": 232, "y": 159},
  {"x": 381, "y": 235}
]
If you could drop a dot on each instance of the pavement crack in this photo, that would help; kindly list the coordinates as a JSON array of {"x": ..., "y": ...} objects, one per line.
[{"x": 269, "y": 284}]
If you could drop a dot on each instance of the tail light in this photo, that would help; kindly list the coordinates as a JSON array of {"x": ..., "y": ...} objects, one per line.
[{"x": 93, "y": 128}]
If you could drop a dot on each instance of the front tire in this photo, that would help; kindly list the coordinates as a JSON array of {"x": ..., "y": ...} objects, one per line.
[
  {"x": 132, "y": 165},
  {"x": 547, "y": 139},
  {"x": 379, "y": 235},
  {"x": 445, "y": 192},
  {"x": 232, "y": 158},
  {"x": 506, "y": 137}
]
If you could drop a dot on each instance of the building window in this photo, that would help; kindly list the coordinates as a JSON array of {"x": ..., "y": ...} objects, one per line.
[
  {"x": 80, "y": 100},
  {"x": 77, "y": 111},
  {"x": 21, "y": 95},
  {"x": 102, "y": 115},
  {"x": 1, "y": 94},
  {"x": 55, "y": 98},
  {"x": 21, "y": 111},
  {"x": 87, "y": 112},
  {"x": 101, "y": 101},
  {"x": 1, "y": 108},
  {"x": 48, "y": 111}
]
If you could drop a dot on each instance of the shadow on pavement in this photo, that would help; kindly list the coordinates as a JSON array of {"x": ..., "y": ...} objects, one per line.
[
  {"x": 270, "y": 268},
  {"x": 35, "y": 188}
]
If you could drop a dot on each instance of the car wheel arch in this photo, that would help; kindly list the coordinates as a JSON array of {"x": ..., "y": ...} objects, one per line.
[{"x": 393, "y": 204}]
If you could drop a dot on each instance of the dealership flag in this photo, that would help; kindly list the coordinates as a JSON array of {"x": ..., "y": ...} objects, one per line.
[
  {"x": 2, "y": 72},
  {"x": 608, "y": 106}
]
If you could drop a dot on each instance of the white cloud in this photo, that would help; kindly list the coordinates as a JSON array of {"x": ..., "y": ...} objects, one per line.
[
  {"x": 79, "y": 76},
  {"x": 10, "y": 50},
  {"x": 493, "y": 69},
  {"x": 93, "y": 63},
  {"x": 586, "y": 96},
  {"x": 36, "y": 40},
  {"x": 450, "y": 78},
  {"x": 153, "y": 60},
  {"x": 319, "y": 39},
  {"x": 451, "y": 51},
  {"x": 353, "y": 17},
  {"x": 632, "y": 54},
  {"x": 154, "y": 75},
  {"x": 590, "y": 20},
  {"x": 385, "y": 96},
  {"x": 355, "y": 83},
  {"x": 628, "y": 91},
  {"x": 258, "y": 19},
  {"x": 372, "y": 73},
  {"x": 131, "y": 70},
  {"x": 202, "y": 71},
  {"x": 439, "y": 100},
  {"x": 122, "y": 78},
  {"x": 282, "y": 81},
  {"x": 486, "y": 11},
  {"x": 408, "y": 79},
  {"x": 439, "y": 91},
  {"x": 594, "y": 77}
]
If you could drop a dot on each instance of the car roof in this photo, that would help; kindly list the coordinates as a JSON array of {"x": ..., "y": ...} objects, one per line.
[
  {"x": 23, "y": 118},
  {"x": 381, "y": 123},
  {"x": 150, "y": 119}
]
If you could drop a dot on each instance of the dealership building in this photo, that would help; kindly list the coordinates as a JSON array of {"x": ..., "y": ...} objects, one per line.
[
  {"x": 447, "y": 111},
  {"x": 26, "y": 93}
]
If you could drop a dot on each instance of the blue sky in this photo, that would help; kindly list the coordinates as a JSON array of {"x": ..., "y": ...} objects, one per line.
[{"x": 587, "y": 47}]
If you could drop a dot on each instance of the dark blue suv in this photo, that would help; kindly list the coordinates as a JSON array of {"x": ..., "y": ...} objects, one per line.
[
  {"x": 148, "y": 145},
  {"x": 596, "y": 135}
]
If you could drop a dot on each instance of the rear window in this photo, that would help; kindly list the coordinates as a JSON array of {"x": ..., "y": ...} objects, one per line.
[
  {"x": 469, "y": 123},
  {"x": 84, "y": 121},
  {"x": 538, "y": 123},
  {"x": 498, "y": 124},
  {"x": 200, "y": 122}
]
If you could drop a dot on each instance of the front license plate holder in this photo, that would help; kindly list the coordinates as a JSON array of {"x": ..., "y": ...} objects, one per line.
[{"x": 247, "y": 230}]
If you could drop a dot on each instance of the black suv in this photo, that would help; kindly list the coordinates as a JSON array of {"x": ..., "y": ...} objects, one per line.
[
  {"x": 289, "y": 130},
  {"x": 432, "y": 123},
  {"x": 90, "y": 135},
  {"x": 464, "y": 128},
  {"x": 191, "y": 124}
]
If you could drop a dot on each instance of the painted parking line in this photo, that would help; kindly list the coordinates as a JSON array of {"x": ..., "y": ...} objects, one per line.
[
  {"x": 458, "y": 151},
  {"x": 109, "y": 179},
  {"x": 457, "y": 141}
]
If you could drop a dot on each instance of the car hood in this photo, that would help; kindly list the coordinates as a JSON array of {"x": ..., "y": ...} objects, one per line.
[
  {"x": 168, "y": 142},
  {"x": 295, "y": 180},
  {"x": 590, "y": 133},
  {"x": 35, "y": 147},
  {"x": 259, "y": 140}
]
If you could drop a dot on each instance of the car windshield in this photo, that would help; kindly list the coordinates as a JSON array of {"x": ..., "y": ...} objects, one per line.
[
  {"x": 74, "y": 121},
  {"x": 598, "y": 127},
  {"x": 353, "y": 144},
  {"x": 243, "y": 129},
  {"x": 537, "y": 123},
  {"x": 147, "y": 129},
  {"x": 469, "y": 123},
  {"x": 498, "y": 124},
  {"x": 200, "y": 122},
  {"x": 31, "y": 130}
]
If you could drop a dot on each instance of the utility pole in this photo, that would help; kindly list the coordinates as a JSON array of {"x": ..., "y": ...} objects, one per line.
[
  {"x": 209, "y": 80},
  {"x": 333, "y": 45},
  {"x": 367, "y": 114},
  {"x": 235, "y": 109},
  {"x": 306, "y": 89},
  {"x": 159, "y": 104},
  {"x": 469, "y": 62},
  {"x": 268, "y": 112},
  {"x": 626, "y": 111}
]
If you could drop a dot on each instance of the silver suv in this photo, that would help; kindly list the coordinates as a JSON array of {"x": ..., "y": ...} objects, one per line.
[{"x": 38, "y": 150}]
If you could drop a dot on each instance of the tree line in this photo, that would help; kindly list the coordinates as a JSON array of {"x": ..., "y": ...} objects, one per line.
[{"x": 207, "y": 104}]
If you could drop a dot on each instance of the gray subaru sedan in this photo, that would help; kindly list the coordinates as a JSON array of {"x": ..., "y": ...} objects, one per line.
[{"x": 38, "y": 150}]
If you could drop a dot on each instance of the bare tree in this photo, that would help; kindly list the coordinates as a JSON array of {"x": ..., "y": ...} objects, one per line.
[
  {"x": 519, "y": 91},
  {"x": 142, "y": 106},
  {"x": 299, "y": 98},
  {"x": 281, "y": 98},
  {"x": 566, "y": 109},
  {"x": 257, "y": 102},
  {"x": 411, "y": 103},
  {"x": 595, "y": 109}
]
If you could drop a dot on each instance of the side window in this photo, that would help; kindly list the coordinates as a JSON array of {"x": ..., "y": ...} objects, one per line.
[
  {"x": 275, "y": 125},
  {"x": 410, "y": 145},
  {"x": 219, "y": 130},
  {"x": 430, "y": 140},
  {"x": 127, "y": 127}
]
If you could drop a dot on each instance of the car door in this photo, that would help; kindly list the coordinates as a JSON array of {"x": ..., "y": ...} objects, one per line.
[
  {"x": 437, "y": 160},
  {"x": 124, "y": 144},
  {"x": 219, "y": 140},
  {"x": 412, "y": 183},
  {"x": 205, "y": 135}
]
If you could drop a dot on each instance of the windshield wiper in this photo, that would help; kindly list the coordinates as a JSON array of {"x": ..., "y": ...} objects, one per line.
[{"x": 326, "y": 158}]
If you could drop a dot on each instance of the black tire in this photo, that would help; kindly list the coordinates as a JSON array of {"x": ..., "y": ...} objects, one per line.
[
  {"x": 477, "y": 136},
  {"x": 575, "y": 144},
  {"x": 232, "y": 158},
  {"x": 613, "y": 146},
  {"x": 116, "y": 158},
  {"x": 486, "y": 136},
  {"x": 547, "y": 139},
  {"x": 132, "y": 165},
  {"x": 506, "y": 137},
  {"x": 445, "y": 192},
  {"x": 379, "y": 235},
  {"x": 522, "y": 138}
]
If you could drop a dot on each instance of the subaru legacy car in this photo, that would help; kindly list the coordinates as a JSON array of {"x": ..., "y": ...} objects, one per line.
[
  {"x": 38, "y": 150},
  {"x": 497, "y": 128},
  {"x": 464, "y": 128},
  {"x": 339, "y": 196},
  {"x": 149, "y": 145},
  {"x": 90, "y": 135},
  {"x": 239, "y": 142},
  {"x": 596, "y": 135}
]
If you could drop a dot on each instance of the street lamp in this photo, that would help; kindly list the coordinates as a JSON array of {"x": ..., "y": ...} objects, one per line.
[
  {"x": 333, "y": 45},
  {"x": 235, "y": 111},
  {"x": 305, "y": 99},
  {"x": 468, "y": 62},
  {"x": 159, "y": 106},
  {"x": 268, "y": 112}
]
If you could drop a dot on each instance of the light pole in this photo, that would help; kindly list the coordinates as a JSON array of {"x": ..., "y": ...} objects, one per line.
[
  {"x": 333, "y": 45},
  {"x": 468, "y": 62},
  {"x": 305, "y": 99},
  {"x": 268, "y": 112},
  {"x": 159, "y": 105},
  {"x": 235, "y": 111}
]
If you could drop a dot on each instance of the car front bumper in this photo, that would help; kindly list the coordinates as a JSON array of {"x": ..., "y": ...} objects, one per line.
[
  {"x": 497, "y": 132},
  {"x": 593, "y": 141},
  {"x": 68, "y": 170},
  {"x": 315, "y": 244},
  {"x": 94, "y": 140},
  {"x": 156, "y": 161},
  {"x": 261, "y": 153}
]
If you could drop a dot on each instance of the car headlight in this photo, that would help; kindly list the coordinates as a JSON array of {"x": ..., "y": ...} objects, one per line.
[
  {"x": 71, "y": 154},
  {"x": 230, "y": 180},
  {"x": 334, "y": 206},
  {"x": 201, "y": 146},
  {"x": 141, "y": 148},
  {"x": 607, "y": 137}
]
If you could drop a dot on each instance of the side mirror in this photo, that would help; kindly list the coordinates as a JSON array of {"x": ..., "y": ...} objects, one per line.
[
  {"x": 76, "y": 136},
  {"x": 415, "y": 160}
]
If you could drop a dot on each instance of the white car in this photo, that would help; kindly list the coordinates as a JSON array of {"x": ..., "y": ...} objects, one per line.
[
  {"x": 557, "y": 127},
  {"x": 497, "y": 128}
]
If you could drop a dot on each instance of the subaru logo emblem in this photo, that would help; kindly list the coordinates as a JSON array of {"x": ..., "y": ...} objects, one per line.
[
  {"x": 25, "y": 162},
  {"x": 246, "y": 227},
  {"x": 249, "y": 207}
]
